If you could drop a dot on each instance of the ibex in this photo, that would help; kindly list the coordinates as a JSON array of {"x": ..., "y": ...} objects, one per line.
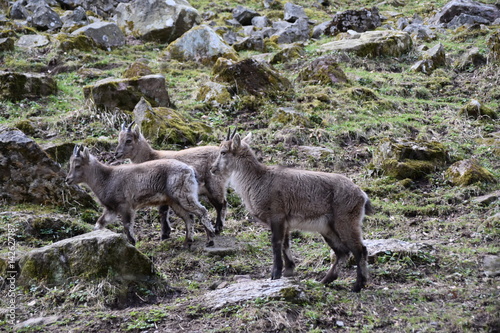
[
  {"x": 133, "y": 145},
  {"x": 125, "y": 188},
  {"x": 286, "y": 199}
]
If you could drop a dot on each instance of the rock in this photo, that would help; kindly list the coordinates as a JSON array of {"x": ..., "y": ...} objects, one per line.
[
  {"x": 319, "y": 30},
  {"x": 32, "y": 41},
  {"x": 200, "y": 44},
  {"x": 293, "y": 12},
  {"x": 249, "y": 290},
  {"x": 244, "y": 15},
  {"x": 252, "y": 77},
  {"x": 488, "y": 199},
  {"x": 163, "y": 125},
  {"x": 68, "y": 42},
  {"x": 75, "y": 18},
  {"x": 470, "y": 60},
  {"x": 44, "y": 18},
  {"x": 214, "y": 93},
  {"x": 373, "y": 44},
  {"x": 494, "y": 46},
  {"x": 261, "y": 22},
  {"x": 467, "y": 20},
  {"x": 157, "y": 20},
  {"x": 288, "y": 53},
  {"x": 290, "y": 116},
  {"x": 36, "y": 322},
  {"x": 288, "y": 33},
  {"x": 467, "y": 172},
  {"x": 106, "y": 35},
  {"x": 383, "y": 247},
  {"x": 59, "y": 151},
  {"x": 27, "y": 174},
  {"x": 253, "y": 43},
  {"x": 314, "y": 152},
  {"x": 431, "y": 59},
  {"x": 456, "y": 7},
  {"x": 475, "y": 109},
  {"x": 409, "y": 159},
  {"x": 420, "y": 32},
  {"x": 96, "y": 257},
  {"x": 124, "y": 94},
  {"x": 323, "y": 70},
  {"x": 357, "y": 20},
  {"x": 491, "y": 265},
  {"x": 137, "y": 69},
  {"x": 19, "y": 11},
  {"x": 17, "y": 86},
  {"x": 6, "y": 44}
]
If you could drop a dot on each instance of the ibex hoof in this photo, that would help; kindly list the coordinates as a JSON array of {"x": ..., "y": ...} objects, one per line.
[{"x": 164, "y": 237}]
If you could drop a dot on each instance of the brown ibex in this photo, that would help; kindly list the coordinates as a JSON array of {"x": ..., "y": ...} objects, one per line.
[
  {"x": 286, "y": 199},
  {"x": 125, "y": 188},
  {"x": 133, "y": 145}
]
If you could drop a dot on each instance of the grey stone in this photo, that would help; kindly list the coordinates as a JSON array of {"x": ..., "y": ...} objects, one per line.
[
  {"x": 456, "y": 7},
  {"x": 105, "y": 34},
  {"x": 44, "y": 18},
  {"x": 491, "y": 265},
  {"x": 17, "y": 86},
  {"x": 294, "y": 12},
  {"x": 295, "y": 32},
  {"x": 357, "y": 20},
  {"x": 32, "y": 41},
  {"x": 244, "y": 15},
  {"x": 261, "y": 22}
]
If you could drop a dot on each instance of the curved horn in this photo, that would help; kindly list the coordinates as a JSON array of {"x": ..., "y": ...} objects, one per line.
[
  {"x": 234, "y": 133},
  {"x": 129, "y": 128},
  {"x": 228, "y": 137},
  {"x": 75, "y": 150}
]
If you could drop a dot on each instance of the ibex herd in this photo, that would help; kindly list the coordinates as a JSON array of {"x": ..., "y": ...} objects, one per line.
[{"x": 283, "y": 198}]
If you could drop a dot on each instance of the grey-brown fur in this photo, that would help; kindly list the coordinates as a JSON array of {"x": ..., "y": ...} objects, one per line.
[
  {"x": 287, "y": 199},
  {"x": 133, "y": 145},
  {"x": 123, "y": 189}
]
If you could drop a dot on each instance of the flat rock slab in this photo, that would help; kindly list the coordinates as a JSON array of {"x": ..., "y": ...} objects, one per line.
[
  {"x": 39, "y": 321},
  {"x": 382, "y": 246},
  {"x": 245, "y": 290}
]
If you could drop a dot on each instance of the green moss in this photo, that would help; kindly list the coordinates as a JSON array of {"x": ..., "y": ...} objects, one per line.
[
  {"x": 137, "y": 69},
  {"x": 412, "y": 169},
  {"x": 475, "y": 109},
  {"x": 467, "y": 172},
  {"x": 79, "y": 42},
  {"x": 25, "y": 126}
]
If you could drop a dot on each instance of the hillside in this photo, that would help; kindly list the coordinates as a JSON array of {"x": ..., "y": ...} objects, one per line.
[{"x": 342, "y": 123}]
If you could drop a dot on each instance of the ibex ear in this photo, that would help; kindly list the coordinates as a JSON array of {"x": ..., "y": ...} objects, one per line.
[
  {"x": 123, "y": 127},
  {"x": 85, "y": 153},
  {"x": 137, "y": 131},
  {"x": 247, "y": 139},
  {"x": 236, "y": 141}
]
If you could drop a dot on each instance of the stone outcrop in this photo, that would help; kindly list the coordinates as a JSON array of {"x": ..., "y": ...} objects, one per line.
[
  {"x": 124, "y": 94},
  {"x": 252, "y": 77},
  {"x": 372, "y": 44},
  {"x": 106, "y": 35},
  {"x": 157, "y": 20},
  {"x": 467, "y": 172},
  {"x": 358, "y": 20},
  {"x": 456, "y": 8},
  {"x": 409, "y": 159},
  {"x": 16, "y": 86},
  {"x": 431, "y": 59},
  {"x": 201, "y": 44},
  {"x": 27, "y": 174}
]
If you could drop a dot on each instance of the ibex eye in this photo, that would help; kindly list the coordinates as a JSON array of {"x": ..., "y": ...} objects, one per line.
[
  {"x": 128, "y": 141},
  {"x": 223, "y": 153}
]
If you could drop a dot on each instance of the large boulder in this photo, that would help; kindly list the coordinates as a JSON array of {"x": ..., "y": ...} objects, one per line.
[
  {"x": 431, "y": 59},
  {"x": 95, "y": 257},
  {"x": 45, "y": 18},
  {"x": 157, "y": 20},
  {"x": 162, "y": 125},
  {"x": 372, "y": 44},
  {"x": 358, "y": 20},
  {"x": 124, "y": 94},
  {"x": 251, "y": 77},
  {"x": 467, "y": 172},
  {"x": 27, "y": 174},
  {"x": 477, "y": 110},
  {"x": 455, "y": 8},
  {"x": 201, "y": 44},
  {"x": 409, "y": 159},
  {"x": 286, "y": 33},
  {"x": 324, "y": 71},
  {"x": 16, "y": 86},
  {"x": 106, "y": 35}
]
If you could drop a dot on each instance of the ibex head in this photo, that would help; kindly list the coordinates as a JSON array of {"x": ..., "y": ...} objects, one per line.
[
  {"x": 230, "y": 149},
  {"x": 127, "y": 141},
  {"x": 78, "y": 163}
]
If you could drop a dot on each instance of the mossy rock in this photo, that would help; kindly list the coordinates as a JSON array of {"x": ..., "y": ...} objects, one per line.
[
  {"x": 362, "y": 94},
  {"x": 289, "y": 116},
  {"x": 51, "y": 227},
  {"x": 409, "y": 159},
  {"x": 323, "y": 70},
  {"x": 251, "y": 77},
  {"x": 59, "y": 152},
  {"x": 17, "y": 86},
  {"x": 81, "y": 42},
  {"x": 214, "y": 93},
  {"x": 137, "y": 69},
  {"x": 475, "y": 109},
  {"x": 467, "y": 172},
  {"x": 494, "y": 46},
  {"x": 25, "y": 126},
  {"x": 7, "y": 44},
  {"x": 165, "y": 125},
  {"x": 289, "y": 53}
]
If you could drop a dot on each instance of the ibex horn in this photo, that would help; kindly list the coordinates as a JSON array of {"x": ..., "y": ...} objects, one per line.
[
  {"x": 123, "y": 127},
  {"x": 234, "y": 133},
  {"x": 130, "y": 126},
  {"x": 75, "y": 150}
]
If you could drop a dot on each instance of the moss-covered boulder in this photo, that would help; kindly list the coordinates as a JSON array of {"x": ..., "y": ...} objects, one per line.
[
  {"x": 214, "y": 93},
  {"x": 167, "y": 126},
  {"x": 137, "y": 69},
  {"x": 16, "y": 86},
  {"x": 467, "y": 172},
  {"x": 251, "y": 77},
  {"x": 95, "y": 257},
  {"x": 28, "y": 174},
  {"x": 201, "y": 44},
  {"x": 494, "y": 46},
  {"x": 124, "y": 94},
  {"x": 323, "y": 70},
  {"x": 6, "y": 44},
  {"x": 288, "y": 53},
  {"x": 372, "y": 44},
  {"x": 67, "y": 42},
  {"x": 475, "y": 109},
  {"x": 290, "y": 116},
  {"x": 409, "y": 159},
  {"x": 106, "y": 35}
]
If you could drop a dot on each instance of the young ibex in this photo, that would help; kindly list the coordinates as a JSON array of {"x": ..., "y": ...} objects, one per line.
[
  {"x": 133, "y": 145},
  {"x": 125, "y": 188},
  {"x": 287, "y": 199}
]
